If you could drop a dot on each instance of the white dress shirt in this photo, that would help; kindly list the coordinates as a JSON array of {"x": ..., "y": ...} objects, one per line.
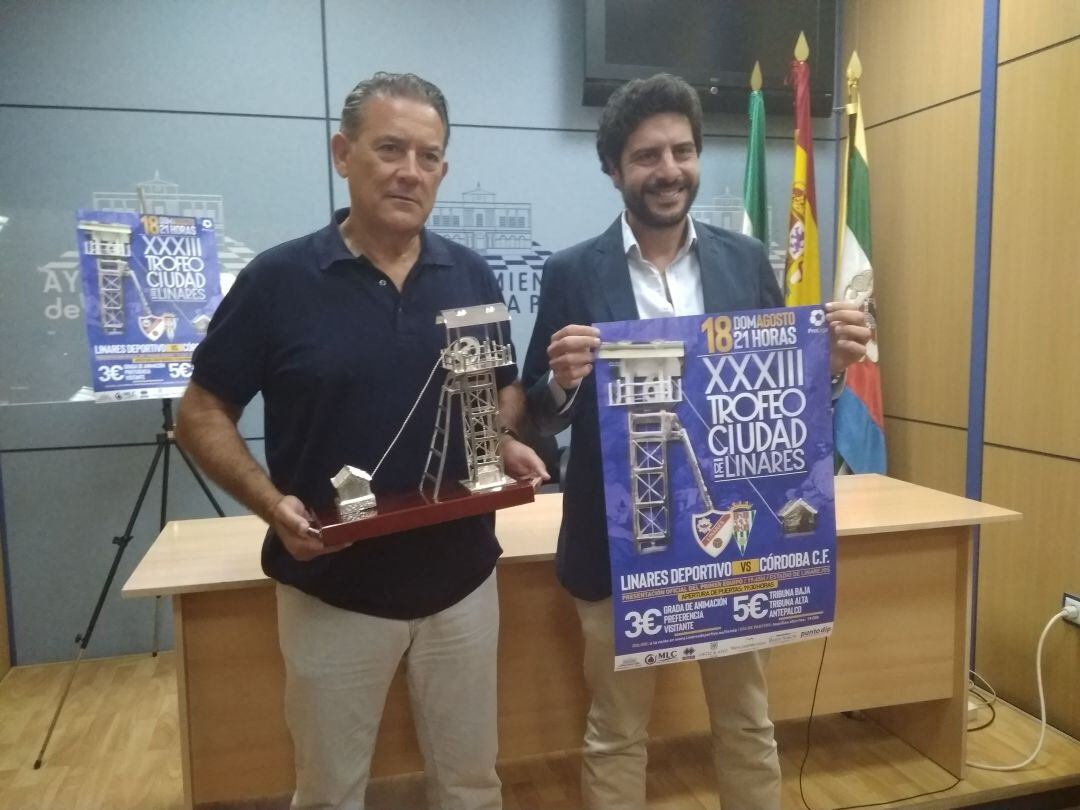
[{"x": 664, "y": 294}]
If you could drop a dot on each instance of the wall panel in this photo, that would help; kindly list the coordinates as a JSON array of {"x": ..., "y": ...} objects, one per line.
[
  {"x": 915, "y": 53},
  {"x": 929, "y": 455},
  {"x": 199, "y": 55},
  {"x": 922, "y": 176},
  {"x": 1034, "y": 291},
  {"x": 1023, "y": 569},
  {"x": 1027, "y": 26},
  {"x": 514, "y": 63}
]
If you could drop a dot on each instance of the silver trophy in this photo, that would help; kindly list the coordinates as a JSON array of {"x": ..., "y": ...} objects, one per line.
[{"x": 476, "y": 345}]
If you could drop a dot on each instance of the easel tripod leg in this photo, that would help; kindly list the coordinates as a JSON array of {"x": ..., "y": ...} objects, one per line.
[{"x": 84, "y": 640}]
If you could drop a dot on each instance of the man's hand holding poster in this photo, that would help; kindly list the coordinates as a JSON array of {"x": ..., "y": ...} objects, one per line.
[{"x": 718, "y": 480}]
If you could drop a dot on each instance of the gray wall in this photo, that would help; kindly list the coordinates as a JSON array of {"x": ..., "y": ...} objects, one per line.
[{"x": 230, "y": 100}]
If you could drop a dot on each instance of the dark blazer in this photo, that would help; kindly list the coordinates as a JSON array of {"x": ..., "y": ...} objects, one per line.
[{"x": 590, "y": 283}]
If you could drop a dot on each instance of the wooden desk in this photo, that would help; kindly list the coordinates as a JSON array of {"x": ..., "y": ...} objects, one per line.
[{"x": 900, "y": 646}]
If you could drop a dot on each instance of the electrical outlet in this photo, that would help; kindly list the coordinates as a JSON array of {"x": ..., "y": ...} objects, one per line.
[{"x": 1068, "y": 599}]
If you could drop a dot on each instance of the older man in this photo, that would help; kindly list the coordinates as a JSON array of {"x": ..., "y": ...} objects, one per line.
[{"x": 337, "y": 331}]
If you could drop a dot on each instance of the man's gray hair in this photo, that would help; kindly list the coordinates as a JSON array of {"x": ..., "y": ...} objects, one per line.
[{"x": 392, "y": 85}]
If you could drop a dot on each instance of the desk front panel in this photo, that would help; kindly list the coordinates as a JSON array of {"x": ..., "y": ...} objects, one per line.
[{"x": 900, "y": 639}]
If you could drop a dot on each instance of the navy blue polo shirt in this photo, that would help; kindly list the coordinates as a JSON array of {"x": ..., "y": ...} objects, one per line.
[{"x": 340, "y": 357}]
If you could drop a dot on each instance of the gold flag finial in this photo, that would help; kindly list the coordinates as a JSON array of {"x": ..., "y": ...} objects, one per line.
[
  {"x": 854, "y": 67},
  {"x": 802, "y": 48},
  {"x": 755, "y": 77}
]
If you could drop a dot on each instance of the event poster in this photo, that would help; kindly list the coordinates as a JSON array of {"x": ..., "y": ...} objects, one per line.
[
  {"x": 150, "y": 285},
  {"x": 718, "y": 481}
]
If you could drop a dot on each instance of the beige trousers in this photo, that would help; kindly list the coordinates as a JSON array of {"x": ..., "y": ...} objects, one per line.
[
  {"x": 614, "y": 756},
  {"x": 338, "y": 667}
]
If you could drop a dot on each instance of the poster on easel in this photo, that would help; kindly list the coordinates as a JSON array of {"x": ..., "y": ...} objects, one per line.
[
  {"x": 718, "y": 482},
  {"x": 151, "y": 283}
]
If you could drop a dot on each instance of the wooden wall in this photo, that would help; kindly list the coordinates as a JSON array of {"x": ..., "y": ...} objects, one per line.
[
  {"x": 931, "y": 455},
  {"x": 1032, "y": 436},
  {"x": 921, "y": 95}
]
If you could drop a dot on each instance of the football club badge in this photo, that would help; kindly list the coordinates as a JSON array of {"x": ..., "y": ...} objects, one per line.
[
  {"x": 154, "y": 326},
  {"x": 742, "y": 518},
  {"x": 713, "y": 530}
]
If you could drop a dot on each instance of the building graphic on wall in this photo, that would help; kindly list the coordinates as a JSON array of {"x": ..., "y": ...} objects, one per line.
[
  {"x": 164, "y": 197},
  {"x": 501, "y": 232},
  {"x": 726, "y": 211}
]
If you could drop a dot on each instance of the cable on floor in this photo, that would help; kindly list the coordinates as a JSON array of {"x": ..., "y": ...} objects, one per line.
[
  {"x": 806, "y": 755},
  {"x": 1066, "y": 612}
]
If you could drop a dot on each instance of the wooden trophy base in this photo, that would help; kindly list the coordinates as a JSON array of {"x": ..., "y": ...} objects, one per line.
[{"x": 411, "y": 510}]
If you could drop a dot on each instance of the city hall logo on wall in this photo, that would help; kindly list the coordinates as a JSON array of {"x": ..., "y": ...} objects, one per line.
[{"x": 501, "y": 232}]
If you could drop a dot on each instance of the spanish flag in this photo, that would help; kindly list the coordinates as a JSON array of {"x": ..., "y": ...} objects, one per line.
[{"x": 802, "y": 274}]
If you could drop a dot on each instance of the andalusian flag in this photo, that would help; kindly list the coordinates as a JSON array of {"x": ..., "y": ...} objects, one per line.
[
  {"x": 802, "y": 276},
  {"x": 858, "y": 420},
  {"x": 755, "y": 207}
]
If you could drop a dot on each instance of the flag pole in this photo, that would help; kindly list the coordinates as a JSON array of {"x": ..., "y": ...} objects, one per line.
[{"x": 853, "y": 74}]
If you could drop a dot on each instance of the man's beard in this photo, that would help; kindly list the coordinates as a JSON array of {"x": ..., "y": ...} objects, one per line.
[{"x": 636, "y": 203}]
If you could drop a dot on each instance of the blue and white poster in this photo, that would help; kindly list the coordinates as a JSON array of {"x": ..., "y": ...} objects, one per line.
[
  {"x": 151, "y": 283},
  {"x": 718, "y": 480}
]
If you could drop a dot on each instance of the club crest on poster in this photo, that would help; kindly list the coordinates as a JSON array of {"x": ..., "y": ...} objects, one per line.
[
  {"x": 718, "y": 482},
  {"x": 151, "y": 283}
]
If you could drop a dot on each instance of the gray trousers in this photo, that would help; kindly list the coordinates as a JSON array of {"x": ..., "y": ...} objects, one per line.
[{"x": 338, "y": 667}]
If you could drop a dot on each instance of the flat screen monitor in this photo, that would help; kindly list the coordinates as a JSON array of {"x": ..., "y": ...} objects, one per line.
[{"x": 713, "y": 44}]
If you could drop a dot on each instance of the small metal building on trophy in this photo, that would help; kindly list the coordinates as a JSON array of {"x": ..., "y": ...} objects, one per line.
[
  {"x": 354, "y": 495},
  {"x": 648, "y": 382},
  {"x": 477, "y": 343}
]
